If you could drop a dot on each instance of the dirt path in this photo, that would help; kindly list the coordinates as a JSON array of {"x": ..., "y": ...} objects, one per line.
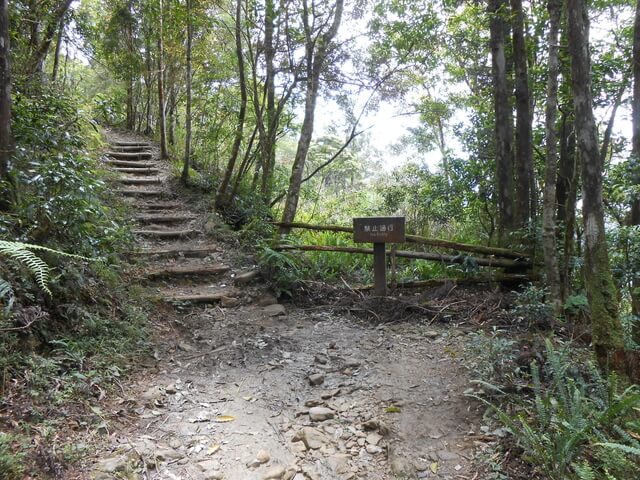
[{"x": 241, "y": 387}]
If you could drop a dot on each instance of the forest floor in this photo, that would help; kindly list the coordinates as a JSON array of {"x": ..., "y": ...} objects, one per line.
[{"x": 330, "y": 385}]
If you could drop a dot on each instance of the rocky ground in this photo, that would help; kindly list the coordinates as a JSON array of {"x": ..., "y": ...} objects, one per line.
[{"x": 242, "y": 387}]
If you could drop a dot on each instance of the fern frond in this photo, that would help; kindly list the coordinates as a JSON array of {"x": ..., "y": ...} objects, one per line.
[
  {"x": 22, "y": 253},
  {"x": 621, "y": 447},
  {"x": 584, "y": 471}
]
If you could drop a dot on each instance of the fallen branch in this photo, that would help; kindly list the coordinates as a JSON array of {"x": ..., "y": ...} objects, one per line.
[
  {"x": 433, "y": 242},
  {"x": 436, "y": 282},
  {"x": 483, "y": 262}
]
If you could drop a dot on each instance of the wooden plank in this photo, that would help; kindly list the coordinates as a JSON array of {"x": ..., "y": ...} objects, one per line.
[
  {"x": 189, "y": 270},
  {"x": 164, "y": 218},
  {"x": 196, "y": 298},
  {"x": 129, "y": 148},
  {"x": 434, "y": 242},
  {"x": 159, "y": 206},
  {"x": 137, "y": 192},
  {"x": 129, "y": 163},
  {"x": 483, "y": 262},
  {"x": 131, "y": 155},
  {"x": 137, "y": 171},
  {"x": 139, "y": 180},
  {"x": 185, "y": 252},
  {"x": 131, "y": 144},
  {"x": 165, "y": 233}
]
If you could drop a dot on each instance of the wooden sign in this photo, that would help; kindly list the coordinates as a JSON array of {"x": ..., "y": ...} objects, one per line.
[{"x": 378, "y": 230}]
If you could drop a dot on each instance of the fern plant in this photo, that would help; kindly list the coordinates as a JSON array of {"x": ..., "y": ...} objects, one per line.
[
  {"x": 23, "y": 254},
  {"x": 575, "y": 424}
]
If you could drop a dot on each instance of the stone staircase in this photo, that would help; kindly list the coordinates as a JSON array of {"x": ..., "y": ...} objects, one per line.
[{"x": 180, "y": 263}]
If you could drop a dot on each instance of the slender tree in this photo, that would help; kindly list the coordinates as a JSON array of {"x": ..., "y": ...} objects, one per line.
[
  {"x": 56, "y": 55},
  {"x": 222, "y": 195},
  {"x": 6, "y": 143},
  {"x": 635, "y": 160},
  {"x": 549, "y": 235},
  {"x": 187, "y": 141},
  {"x": 268, "y": 140},
  {"x": 316, "y": 50},
  {"x": 607, "y": 330},
  {"x": 162, "y": 119},
  {"x": 503, "y": 119},
  {"x": 525, "y": 203}
]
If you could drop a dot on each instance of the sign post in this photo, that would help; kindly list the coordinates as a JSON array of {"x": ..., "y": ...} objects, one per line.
[{"x": 379, "y": 231}]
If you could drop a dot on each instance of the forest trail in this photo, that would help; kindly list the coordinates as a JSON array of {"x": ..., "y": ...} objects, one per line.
[{"x": 241, "y": 387}]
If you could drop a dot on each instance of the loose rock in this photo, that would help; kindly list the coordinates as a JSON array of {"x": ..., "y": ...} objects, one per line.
[
  {"x": 229, "y": 302},
  {"x": 339, "y": 463},
  {"x": 209, "y": 465},
  {"x": 313, "y": 439},
  {"x": 447, "y": 456},
  {"x": 316, "y": 379},
  {"x": 113, "y": 465},
  {"x": 275, "y": 473},
  {"x": 374, "y": 438},
  {"x": 320, "y": 414},
  {"x": 263, "y": 456},
  {"x": 246, "y": 277},
  {"x": 330, "y": 394},
  {"x": 266, "y": 300},
  {"x": 373, "y": 449},
  {"x": 321, "y": 358},
  {"x": 274, "y": 310}
]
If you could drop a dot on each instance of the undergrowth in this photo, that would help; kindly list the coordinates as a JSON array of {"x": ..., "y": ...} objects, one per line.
[
  {"x": 570, "y": 420},
  {"x": 68, "y": 327}
]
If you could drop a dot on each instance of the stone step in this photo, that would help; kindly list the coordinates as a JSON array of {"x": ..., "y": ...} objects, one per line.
[
  {"x": 189, "y": 270},
  {"x": 187, "y": 252},
  {"x": 139, "y": 180},
  {"x": 158, "y": 206},
  {"x": 138, "y": 171},
  {"x": 131, "y": 144},
  {"x": 131, "y": 148},
  {"x": 130, "y": 155},
  {"x": 164, "y": 218},
  {"x": 139, "y": 192},
  {"x": 166, "y": 233},
  {"x": 129, "y": 163}
]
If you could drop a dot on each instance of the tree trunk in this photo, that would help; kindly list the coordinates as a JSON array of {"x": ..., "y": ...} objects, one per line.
[
  {"x": 56, "y": 56},
  {"x": 161, "y": 104},
  {"x": 524, "y": 202},
  {"x": 607, "y": 330},
  {"x": 635, "y": 165},
  {"x": 222, "y": 197},
  {"x": 549, "y": 235},
  {"x": 148, "y": 80},
  {"x": 316, "y": 53},
  {"x": 131, "y": 110},
  {"x": 171, "y": 123},
  {"x": 269, "y": 141},
  {"x": 503, "y": 121},
  {"x": 6, "y": 141},
  {"x": 41, "y": 45},
  {"x": 187, "y": 140},
  {"x": 131, "y": 119}
]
